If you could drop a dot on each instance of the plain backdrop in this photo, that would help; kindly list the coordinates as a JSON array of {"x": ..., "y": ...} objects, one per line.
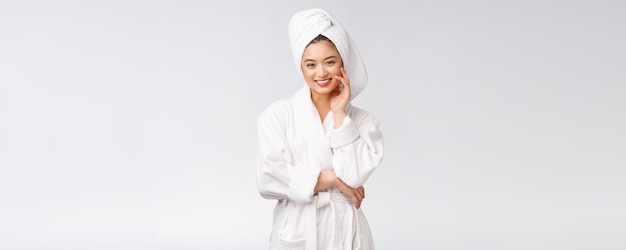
[{"x": 132, "y": 124}]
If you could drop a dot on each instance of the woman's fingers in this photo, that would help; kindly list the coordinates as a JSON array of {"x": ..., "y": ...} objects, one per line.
[
  {"x": 355, "y": 194},
  {"x": 344, "y": 76},
  {"x": 357, "y": 201},
  {"x": 359, "y": 194}
]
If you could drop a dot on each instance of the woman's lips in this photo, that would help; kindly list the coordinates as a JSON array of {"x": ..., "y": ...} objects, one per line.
[{"x": 323, "y": 83}]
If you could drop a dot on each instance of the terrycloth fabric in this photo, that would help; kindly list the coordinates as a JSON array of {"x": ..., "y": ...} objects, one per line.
[
  {"x": 306, "y": 25},
  {"x": 294, "y": 145}
]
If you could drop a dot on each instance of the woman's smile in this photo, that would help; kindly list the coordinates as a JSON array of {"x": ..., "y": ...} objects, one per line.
[{"x": 324, "y": 82}]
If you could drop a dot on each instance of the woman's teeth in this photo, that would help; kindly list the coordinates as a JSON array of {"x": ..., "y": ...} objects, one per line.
[{"x": 323, "y": 82}]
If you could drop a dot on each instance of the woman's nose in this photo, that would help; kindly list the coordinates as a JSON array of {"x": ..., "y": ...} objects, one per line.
[{"x": 321, "y": 72}]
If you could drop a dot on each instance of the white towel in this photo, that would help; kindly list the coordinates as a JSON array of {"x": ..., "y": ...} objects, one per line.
[{"x": 306, "y": 25}]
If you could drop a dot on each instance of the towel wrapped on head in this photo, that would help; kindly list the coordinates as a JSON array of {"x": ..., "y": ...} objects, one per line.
[{"x": 306, "y": 25}]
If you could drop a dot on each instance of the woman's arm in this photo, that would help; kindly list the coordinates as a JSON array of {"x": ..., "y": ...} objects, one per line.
[
  {"x": 327, "y": 179},
  {"x": 277, "y": 176},
  {"x": 356, "y": 141},
  {"x": 357, "y": 147}
]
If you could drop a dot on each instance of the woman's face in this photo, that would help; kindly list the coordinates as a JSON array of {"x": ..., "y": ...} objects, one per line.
[{"x": 321, "y": 62}]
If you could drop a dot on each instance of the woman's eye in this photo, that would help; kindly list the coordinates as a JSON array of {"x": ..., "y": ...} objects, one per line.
[
  {"x": 330, "y": 62},
  {"x": 310, "y": 65}
]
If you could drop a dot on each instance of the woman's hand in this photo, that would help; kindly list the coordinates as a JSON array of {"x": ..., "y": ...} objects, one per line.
[
  {"x": 327, "y": 179},
  {"x": 355, "y": 194},
  {"x": 340, "y": 98}
]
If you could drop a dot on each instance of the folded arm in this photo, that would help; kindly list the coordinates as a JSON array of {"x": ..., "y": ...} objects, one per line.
[
  {"x": 277, "y": 176},
  {"x": 357, "y": 147}
]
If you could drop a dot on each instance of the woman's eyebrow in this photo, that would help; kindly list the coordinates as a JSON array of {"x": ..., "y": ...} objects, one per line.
[{"x": 323, "y": 60}]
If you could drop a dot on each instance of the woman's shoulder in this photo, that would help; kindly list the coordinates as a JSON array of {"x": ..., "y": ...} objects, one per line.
[
  {"x": 360, "y": 115},
  {"x": 277, "y": 110}
]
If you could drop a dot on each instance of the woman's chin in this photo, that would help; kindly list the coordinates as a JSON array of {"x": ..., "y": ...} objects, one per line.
[{"x": 323, "y": 90}]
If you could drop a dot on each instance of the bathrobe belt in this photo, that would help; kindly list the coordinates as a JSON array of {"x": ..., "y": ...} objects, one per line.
[
  {"x": 324, "y": 198},
  {"x": 309, "y": 212}
]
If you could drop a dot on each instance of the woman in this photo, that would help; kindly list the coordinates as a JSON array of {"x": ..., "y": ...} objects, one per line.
[{"x": 315, "y": 150}]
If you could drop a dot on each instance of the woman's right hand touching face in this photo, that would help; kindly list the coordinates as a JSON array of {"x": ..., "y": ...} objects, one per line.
[{"x": 355, "y": 194}]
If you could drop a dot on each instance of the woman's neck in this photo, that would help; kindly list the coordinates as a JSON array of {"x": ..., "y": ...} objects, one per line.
[{"x": 322, "y": 104}]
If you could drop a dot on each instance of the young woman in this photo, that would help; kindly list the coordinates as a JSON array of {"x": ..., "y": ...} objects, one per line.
[{"x": 315, "y": 150}]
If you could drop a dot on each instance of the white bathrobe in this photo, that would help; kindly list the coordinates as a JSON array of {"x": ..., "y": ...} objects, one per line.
[{"x": 293, "y": 147}]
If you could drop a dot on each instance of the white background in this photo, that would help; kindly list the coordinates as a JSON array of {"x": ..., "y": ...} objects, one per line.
[{"x": 132, "y": 124}]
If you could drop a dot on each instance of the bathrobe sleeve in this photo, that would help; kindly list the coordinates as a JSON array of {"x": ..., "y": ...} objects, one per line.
[
  {"x": 357, "y": 147},
  {"x": 277, "y": 175}
]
